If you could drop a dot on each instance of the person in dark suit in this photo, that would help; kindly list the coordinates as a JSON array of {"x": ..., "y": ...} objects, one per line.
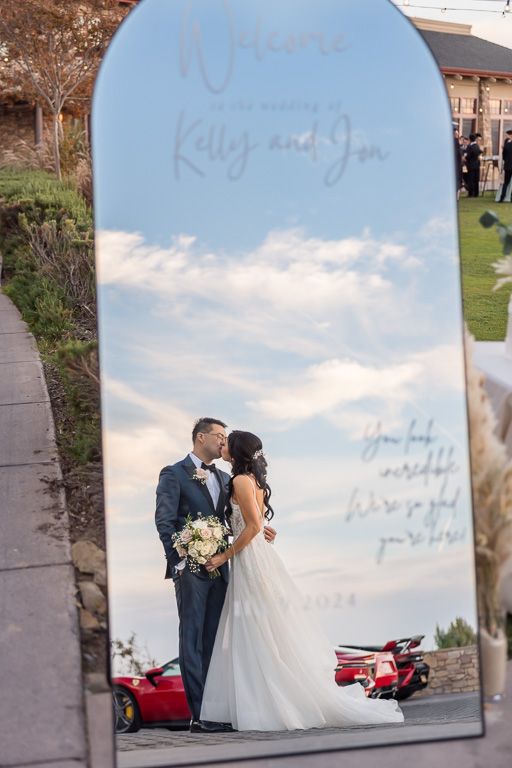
[
  {"x": 473, "y": 165},
  {"x": 458, "y": 160},
  {"x": 507, "y": 165},
  {"x": 464, "y": 146},
  {"x": 181, "y": 492}
]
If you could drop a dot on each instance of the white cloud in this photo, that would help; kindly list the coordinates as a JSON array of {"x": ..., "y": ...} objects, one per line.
[
  {"x": 327, "y": 388},
  {"x": 286, "y": 293},
  {"x": 328, "y": 385}
]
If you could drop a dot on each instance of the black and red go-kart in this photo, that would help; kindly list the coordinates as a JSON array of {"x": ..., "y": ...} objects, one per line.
[{"x": 413, "y": 671}]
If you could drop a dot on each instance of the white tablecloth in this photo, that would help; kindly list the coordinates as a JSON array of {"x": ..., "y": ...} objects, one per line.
[{"x": 489, "y": 357}]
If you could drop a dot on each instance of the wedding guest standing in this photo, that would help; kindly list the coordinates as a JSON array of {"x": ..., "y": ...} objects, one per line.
[
  {"x": 465, "y": 176},
  {"x": 473, "y": 165},
  {"x": 458, "y": 161},
  {"x": 507, "y": 165}
]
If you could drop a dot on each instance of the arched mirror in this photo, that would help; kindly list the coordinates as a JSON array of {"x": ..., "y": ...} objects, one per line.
[{"x": 278, "y": 249}]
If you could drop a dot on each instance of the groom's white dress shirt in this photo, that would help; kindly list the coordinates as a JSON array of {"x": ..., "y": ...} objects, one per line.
[
  {"x": 213, "y": 487},
  {"x": 211, "y": 482}
]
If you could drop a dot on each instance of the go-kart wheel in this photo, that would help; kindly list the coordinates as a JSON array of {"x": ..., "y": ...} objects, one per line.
[{"x": 127, "y": 717}]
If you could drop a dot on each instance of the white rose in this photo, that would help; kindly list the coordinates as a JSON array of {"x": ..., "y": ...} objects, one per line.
[
  {"x": 197, "y": 524},
  {"x": 217, "y": 532},
  {"x": 201, "y": 560},
  {"x": 212, "y": 548}
]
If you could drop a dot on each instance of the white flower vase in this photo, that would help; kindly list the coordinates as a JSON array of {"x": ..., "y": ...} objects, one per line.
[
  {"x": 494, "y": 662},
  {"x": 508, "y": 337}
]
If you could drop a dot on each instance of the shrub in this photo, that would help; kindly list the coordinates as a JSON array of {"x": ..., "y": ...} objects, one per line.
[
  {"x": 458, "y": 634},
  {"x": 46, "y": 239}
]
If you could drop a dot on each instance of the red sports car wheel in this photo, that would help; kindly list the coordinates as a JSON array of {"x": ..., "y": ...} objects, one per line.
[{"x": 126, "y": 711}]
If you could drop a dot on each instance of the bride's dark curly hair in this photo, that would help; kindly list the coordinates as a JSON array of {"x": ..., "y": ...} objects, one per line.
[{"x": 242, "y": 446}]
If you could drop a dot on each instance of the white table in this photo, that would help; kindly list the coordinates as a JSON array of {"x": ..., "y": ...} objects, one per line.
[{"x": 489, "y": 358}]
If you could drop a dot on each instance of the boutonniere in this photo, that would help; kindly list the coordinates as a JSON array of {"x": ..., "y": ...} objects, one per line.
[{"x": 201, "y": 475}]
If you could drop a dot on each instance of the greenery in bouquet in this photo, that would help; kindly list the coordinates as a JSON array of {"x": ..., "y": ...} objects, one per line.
[
  {"x": 199, "y": 540},
  {"x": 492, "y": 499}
]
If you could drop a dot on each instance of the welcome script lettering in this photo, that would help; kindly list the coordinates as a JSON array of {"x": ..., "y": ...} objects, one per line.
[
  {"x": 200, "y": 142},
  {"x": 256, "y": 41},
  {"x": 422, "y": 505}
]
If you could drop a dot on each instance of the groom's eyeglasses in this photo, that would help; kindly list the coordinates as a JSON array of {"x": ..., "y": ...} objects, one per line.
[{"x": 218, "y": 435}]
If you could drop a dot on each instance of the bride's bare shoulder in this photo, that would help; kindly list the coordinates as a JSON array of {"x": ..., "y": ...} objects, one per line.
[{"x": 242, "y": 481}]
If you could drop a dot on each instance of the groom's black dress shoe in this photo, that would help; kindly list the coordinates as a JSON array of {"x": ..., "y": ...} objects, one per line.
[{"x": 206, "y": 726}]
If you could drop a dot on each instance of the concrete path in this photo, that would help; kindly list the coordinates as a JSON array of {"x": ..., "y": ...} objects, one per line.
[{"x": 42, "y": 698}]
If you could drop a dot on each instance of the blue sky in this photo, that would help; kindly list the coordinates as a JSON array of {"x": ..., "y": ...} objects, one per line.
[{"x": 281, "y": 256}]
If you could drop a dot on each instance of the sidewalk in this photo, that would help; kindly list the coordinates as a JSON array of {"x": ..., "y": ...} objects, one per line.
[{"x": 42, "y": 707}]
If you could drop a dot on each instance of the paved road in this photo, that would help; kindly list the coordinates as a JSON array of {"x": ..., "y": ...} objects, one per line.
[{"x": 431, "y": 717}]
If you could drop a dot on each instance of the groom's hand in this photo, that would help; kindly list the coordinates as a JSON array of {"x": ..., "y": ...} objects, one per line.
[{"x": 269, "y": 533}]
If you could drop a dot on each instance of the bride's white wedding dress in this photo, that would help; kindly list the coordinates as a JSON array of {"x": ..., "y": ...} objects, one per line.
[{"x": 272, "y": 667}]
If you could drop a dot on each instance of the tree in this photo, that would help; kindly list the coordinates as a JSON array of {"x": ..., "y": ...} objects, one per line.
[
  {"x": 51, "y": 51},
  {"x": 133, "y": 659},
  {"x": 458, "y": 634}
]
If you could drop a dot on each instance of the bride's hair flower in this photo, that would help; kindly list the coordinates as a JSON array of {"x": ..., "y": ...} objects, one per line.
[{"x": 258, "y": 454}]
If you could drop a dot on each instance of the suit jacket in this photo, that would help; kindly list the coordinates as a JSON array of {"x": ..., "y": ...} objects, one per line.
[
  {"x": 507, "y": 155},
  {"x": 473, "y": 153},
  {"x": 179, "y": 495}
]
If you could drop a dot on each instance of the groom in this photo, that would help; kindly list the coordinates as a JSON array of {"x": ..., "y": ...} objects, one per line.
[{"x": 199, "y": 598}]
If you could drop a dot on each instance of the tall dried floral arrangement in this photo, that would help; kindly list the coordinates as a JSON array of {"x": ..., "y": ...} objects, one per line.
[{"x": 492, "y": 497}]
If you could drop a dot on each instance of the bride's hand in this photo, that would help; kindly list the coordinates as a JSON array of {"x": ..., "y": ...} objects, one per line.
[
  {"x": 269, "y": 534},
  {"x": 215, "y": 562}
]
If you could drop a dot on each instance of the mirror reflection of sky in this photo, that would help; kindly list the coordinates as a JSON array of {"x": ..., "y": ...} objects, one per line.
[{"x": 283, "y": 255}]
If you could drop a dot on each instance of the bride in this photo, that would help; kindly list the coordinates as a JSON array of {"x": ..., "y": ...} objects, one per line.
[{"x": 272, "y": 667}]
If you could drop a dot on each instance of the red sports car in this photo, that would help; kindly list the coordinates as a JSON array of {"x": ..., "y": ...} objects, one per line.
[
  {"x": 351, "y": 670},
  {"x": 154, "y": 701},
  {"x": 413, "y": 671},
  {"x": 381, "y": 667}
]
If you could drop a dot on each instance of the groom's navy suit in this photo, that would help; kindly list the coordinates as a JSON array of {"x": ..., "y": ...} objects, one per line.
[{"x": 199, "y": 598}]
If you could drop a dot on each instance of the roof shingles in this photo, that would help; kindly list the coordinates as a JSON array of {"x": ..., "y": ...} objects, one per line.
[{"x": 468, "y": 52}]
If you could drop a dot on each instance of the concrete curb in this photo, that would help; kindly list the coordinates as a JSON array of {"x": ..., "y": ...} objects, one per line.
[{"x": 46, "y": 717}]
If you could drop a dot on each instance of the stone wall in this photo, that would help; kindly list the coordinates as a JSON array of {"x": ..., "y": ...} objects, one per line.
[
  {"x": 16, "y": 123},
  {"x": 452, "y": 670}
]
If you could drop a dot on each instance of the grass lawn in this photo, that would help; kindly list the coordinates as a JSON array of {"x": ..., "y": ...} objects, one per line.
[{"x": 485, "y": 311}]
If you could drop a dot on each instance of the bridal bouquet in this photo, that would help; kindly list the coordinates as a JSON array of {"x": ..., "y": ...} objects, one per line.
[{"x": 199, "y": 540}]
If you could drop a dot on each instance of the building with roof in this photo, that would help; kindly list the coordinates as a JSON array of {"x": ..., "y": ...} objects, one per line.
[
  {"x": 478, "y": 78},
  {"x": 477, "y": 73}
]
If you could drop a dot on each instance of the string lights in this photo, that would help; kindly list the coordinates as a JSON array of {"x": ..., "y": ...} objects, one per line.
[{"x": 444, "y": 8}]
